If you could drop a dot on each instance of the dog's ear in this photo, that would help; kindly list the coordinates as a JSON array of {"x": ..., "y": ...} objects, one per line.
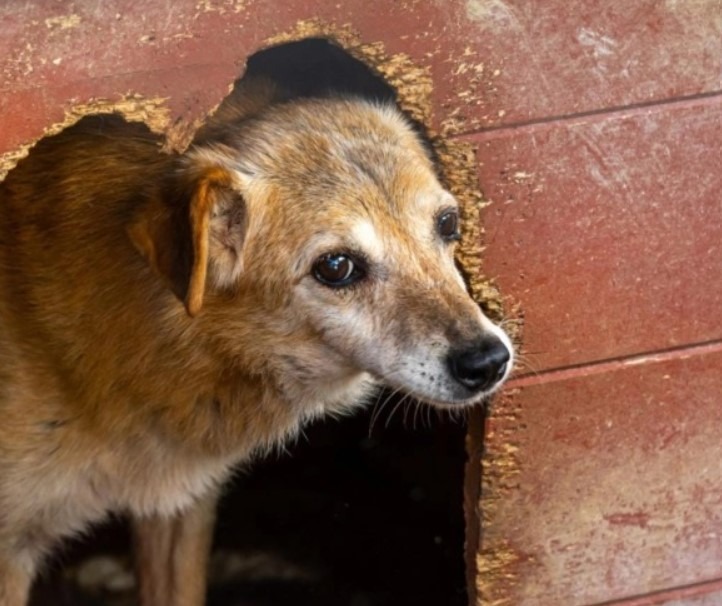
[{"x": 194, "y": 234}]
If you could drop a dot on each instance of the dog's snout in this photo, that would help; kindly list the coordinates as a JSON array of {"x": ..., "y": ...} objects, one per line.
[{"x": 481, "y": 365}]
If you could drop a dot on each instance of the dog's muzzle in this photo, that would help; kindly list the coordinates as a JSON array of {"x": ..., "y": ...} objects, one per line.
[{"x": 481, "y": 365}]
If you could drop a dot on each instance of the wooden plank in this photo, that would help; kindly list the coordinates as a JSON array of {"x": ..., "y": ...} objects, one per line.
[
  {"x": 603, "y": 486},
  {"x": 526, "y": 61},
  {"x": 608, "y": 231},
  {"x": 493, "y": 62}
]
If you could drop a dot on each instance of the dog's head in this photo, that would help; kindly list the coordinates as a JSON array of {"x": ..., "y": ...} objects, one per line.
[{"x": 318, "y": 238}]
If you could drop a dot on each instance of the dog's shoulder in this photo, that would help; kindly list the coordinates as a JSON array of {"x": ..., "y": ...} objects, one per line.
[{"x": 100, "y": 159}]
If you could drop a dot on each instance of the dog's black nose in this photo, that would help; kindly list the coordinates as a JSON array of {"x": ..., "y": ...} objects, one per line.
[{"x": 480, "y": 366}]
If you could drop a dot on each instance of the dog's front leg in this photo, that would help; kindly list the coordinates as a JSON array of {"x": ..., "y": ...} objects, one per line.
[
  {"x": 15, "y": 580},
  {"x": 171, "y": 555}
]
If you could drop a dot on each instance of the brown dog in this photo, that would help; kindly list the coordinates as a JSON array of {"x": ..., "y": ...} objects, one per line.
[{"x": 164, "y": 318}]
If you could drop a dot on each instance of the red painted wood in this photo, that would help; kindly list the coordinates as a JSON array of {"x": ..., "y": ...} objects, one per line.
[
  {"x": 546, "y": 58},
  {"x": 609, "y": 231},
  {"x": 27, "y": 113},
  {"x": 493, "y": 62},
  {"x": 616, "y": 486}
]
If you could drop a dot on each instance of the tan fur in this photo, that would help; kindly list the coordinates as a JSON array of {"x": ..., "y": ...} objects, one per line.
[{"x": 160, "y": 323}]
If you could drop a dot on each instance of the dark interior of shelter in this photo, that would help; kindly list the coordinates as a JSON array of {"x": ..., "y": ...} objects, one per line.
[{"x": 361, "y": 511}]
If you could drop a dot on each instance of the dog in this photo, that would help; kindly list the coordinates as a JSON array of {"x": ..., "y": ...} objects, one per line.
[{"x": 164, "y": 318}]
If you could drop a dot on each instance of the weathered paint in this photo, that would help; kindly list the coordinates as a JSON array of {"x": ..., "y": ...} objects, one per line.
[
  {"x": 496, "y": 63},
  {"x": 609, "y": 230},
  {"x": 610, "y": 484}
]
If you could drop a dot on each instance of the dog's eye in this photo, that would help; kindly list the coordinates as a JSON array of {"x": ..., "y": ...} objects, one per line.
[
  {"x": 448, "y": 225},
  {"x": 337, "y": 270}
]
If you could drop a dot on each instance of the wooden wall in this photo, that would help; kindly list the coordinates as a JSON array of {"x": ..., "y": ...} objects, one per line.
[{"x": 597, "y": 128}]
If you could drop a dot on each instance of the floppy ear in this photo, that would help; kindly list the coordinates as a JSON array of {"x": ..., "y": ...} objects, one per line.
[{"x": 197, "y": 231}]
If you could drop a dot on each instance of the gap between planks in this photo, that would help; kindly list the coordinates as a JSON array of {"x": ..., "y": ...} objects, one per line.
[
  {"x": 595, "y": 115},
  {"x": 659, "y": 598},
  {"x": 614, "y": 364}
]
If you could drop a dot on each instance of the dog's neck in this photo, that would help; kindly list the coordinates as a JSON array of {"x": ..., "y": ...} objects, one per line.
[{"x": 230, "y": 409}]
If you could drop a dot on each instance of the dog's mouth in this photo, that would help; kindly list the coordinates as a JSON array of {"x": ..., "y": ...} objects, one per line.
[
  {"x": 464, "y": 398},
  {"x": 448, "y": 402},
  {"x": 465, "y": 376}
]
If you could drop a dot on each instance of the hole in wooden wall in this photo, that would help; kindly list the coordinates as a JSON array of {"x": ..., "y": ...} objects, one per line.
[{"x": 352, "y": 515}]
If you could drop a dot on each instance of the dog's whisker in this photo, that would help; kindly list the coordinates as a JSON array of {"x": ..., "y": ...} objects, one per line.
[
  {"x": 376, "y": 413},
  {"x": 523, "y": 364},
  {"x": 428, "y": 416},
  {"x": 424, "y": 415},
  {"x": 418, "y": 405},
  {"x": 393, "y": 411},
  {"x": 408, "y": 403}
]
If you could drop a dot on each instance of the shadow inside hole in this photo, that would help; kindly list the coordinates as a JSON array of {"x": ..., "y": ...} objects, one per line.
[
  {"x": 316, "y": 67},
  {"x": 354, "y": 518},
  {"x": 347, "y": 516}
]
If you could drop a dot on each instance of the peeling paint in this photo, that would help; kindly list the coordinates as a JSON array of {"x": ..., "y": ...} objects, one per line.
[
  {"x": 601, "y": 45},
  {"x": 63, "y": 22},
  {"x": 497, "y": 560},
  {"x": 639, "y": 519},
  {"x": 494, "y": 14},
  {"x": 477, "y": 97},
  {"x": 220, "y": 6},
  {"x": 493, "y": 565}
]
